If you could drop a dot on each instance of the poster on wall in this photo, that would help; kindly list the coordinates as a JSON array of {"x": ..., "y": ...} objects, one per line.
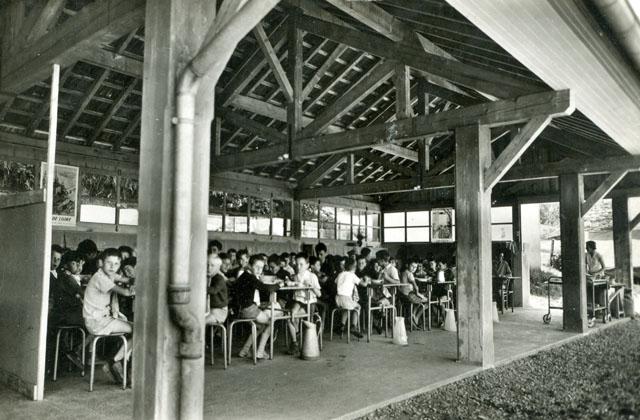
[
  {"x": 442, "y": 225},
  {"x": 65, "y": 193}
]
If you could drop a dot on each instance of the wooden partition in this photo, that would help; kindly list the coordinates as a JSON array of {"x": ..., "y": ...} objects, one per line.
[{"x": 24, "y": 292}]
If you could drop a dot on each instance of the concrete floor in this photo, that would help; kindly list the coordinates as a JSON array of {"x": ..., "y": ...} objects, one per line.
[{"x": 348, "y": 380}]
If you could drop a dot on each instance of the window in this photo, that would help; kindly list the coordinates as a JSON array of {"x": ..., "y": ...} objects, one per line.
[
  {"x": 281, "y": 218},
  {"x": 128, "y": 205},
  {"x": 373, "y": 227},
  {"x": 359, "y": 226},
  {"x": 97, "y": 199},
  {"x": 344, "y": 223},
  {"x": 418, "y": 223},
  {"x": 214, "y": 223},
  {"x": 443, "y": 225},
  {"x": 501, "y": 224},
  {"x": 260, "y": 219},
  {"x": 237, "y": 210},
  {"x": 309, "y": 220},
  {"x": 92, "y": 213},
  {"x": 327, "y": 222}
]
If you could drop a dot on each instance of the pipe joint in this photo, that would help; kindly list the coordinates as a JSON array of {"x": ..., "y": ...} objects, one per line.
[{"x": 186, "y": 320}]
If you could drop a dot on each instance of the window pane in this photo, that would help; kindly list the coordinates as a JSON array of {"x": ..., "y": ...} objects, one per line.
[
  {"x": 259, "y": 225},
  {"x": 374, "y": 235},
  {"x": 309, "y": 229},
  {"x": 216, "y": 202},
  {"x": 417, "y": 218},
  {"x": 260, "y": 208},
  {"x": 502, "y": 232},
  {"x": 344, "y": 232},
  {"x": 278, "y": 226},
  {"x": 393, "y": 219},
  {"x": 358, "y": 232},
  {"x": 344, "y": 215},
  {"x": 501, "y": 214},
  {"x": 281, "y": 208},
  {"x": 236, "y": 224},
  {"x": 214, "y": 223},
  {"x": 92, "y": 213},
  {"x": 129, "y": 217},
  {"x": 309, "y": 211},
  {"x": 418, "y": 234},
  {"x": 442, "y": 221},
  {"x": 237, "y": 204},
  {"x": 394, "y": 234},
  {"x": 327, "y": 222},
  {"x": 373, "y": 219}
]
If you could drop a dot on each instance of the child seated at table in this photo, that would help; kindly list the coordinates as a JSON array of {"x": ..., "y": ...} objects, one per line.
[
  {"x": 67, "y": 292},
  {"x": 302, "y": 297},
  {"x": 99, "y": 316},
  {"x": 217, "y": 291},
  {"x": 246, "y": 287},
  {"x": 346, "y": 283}
]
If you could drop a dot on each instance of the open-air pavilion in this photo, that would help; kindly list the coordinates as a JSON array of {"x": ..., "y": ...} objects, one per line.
[{"x": 273, "y": 125}]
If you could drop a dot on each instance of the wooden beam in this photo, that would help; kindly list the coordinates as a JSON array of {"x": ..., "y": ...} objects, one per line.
[
  {"x": 367, "y": 83},
  {"x": 272, "y": 58},
  {"x": 335, "y": 54},
  {"x": 44, "y": 106},
  {"x": 402, "y": 83},
  {"x": 603, "y": 189},
  {"x": 112, "y": 61},
  {"x": 514, "y": 150},
  {"x": 270, "y": 134},
  {"x": 96, "y": 24},
  {"x": 115, "y": 106},
  {"x": 374, "y": 17},
  {"x": 252, "y": 66},
  {"x": 578, "y": 143},
  {"x": 295, "y": 64},
  {"x": 498, "y": 84},
  {"x": 321, "y": 171},
  {"x": 622, "y": 248},
  {"x": 351, "y": 167},
  {"x": 47, "y": 17},
  {"x": 505, "y": 112},
  {"x": 133, "y": 124},
  {"x": 401, "y": 152}
]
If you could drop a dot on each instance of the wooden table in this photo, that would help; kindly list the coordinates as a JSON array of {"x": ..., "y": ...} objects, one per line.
[{"x": 273, "y": 300}]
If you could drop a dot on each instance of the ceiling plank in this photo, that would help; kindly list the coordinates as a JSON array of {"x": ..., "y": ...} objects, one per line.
[
  {"x": 337, "y": 52},
  {"x": 389, "y": 164},
  {"x": 401, "y": 152},
  {"x": 87, "y": 98}
]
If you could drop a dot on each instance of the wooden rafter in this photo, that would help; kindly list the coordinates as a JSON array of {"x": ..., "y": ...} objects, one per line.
[
  {"x": 41, "y": 20},
  {"x": 44, "y": 106},
  {"x": 268, "y": 133},
  {"x": 133, "y": 124},
  {"x": 94, "y": 24},
  {"x": 337, "y": 52},
  {"x": 481, "y": 79},
  {"x": 87, "y": 98},
  {"x": 321, "y": 171},
  {"x": 115, "y": 106},
  {"x": 274, "y": 63}
]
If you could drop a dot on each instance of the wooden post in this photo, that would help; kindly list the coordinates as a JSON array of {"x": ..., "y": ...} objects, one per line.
[
  {"x": 473, "y": 245},
  {"x": 296, "y": 219},
  {"x": 574, "y": 290},
  {"x": 294, "y": 74},
  {"x": 175, "y": 30},
  {"x": 622, "y": 247},
  {"x": 521, "y": 286}
]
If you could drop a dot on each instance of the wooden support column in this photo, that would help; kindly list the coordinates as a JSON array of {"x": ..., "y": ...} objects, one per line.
[
  {"x": 294, "y": 73},
  {"x": 175, "y": 30},
  {"x": 296, "y": 219},
  {"x": 520, "y": 268},
  {"x": 574, "y": 290},
  {"x": 473, "y": 245},
  {"x": 622, "y": 248},
  {"x": 351, "y": 164}
]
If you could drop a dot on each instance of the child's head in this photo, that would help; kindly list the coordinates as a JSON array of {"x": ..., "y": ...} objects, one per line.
[
  {"x": 226, "y": 262},
  {"x": 302, "y": 263},
  {"x": 361, "y": 262},
  {"x": 125, "y": 252},
  {"x": 213, "y": 265},
  {"x": 232, "y": 254},
  {"x": 321, "y": 251},
  {"x": 243, "y": 257},
  {"x": 315, "y": 263},
  {"x": 365, "y": 252},
  {"x": 257, "y": 264},
  {"x": 350, "y": 264},
  {"x": 56, "y": 256},
  {"x": 412, "y": 266},
  {"x": 274, "y": 263},
  {"x": 72, "y": 262},
  {"x": 111, "y": 260},
  {"x": 215, "y": 246},
  {"x": 382, "y": 257},
  {"x": 393, "y": 261},
  {"x": 88, "y": 249}
]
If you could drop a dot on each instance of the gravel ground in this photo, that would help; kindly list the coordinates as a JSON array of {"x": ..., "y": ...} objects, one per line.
[{"x": 595, "y": 377}]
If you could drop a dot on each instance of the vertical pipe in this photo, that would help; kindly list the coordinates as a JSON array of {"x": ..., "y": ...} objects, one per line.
[{"x": 51, "y": 158}]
